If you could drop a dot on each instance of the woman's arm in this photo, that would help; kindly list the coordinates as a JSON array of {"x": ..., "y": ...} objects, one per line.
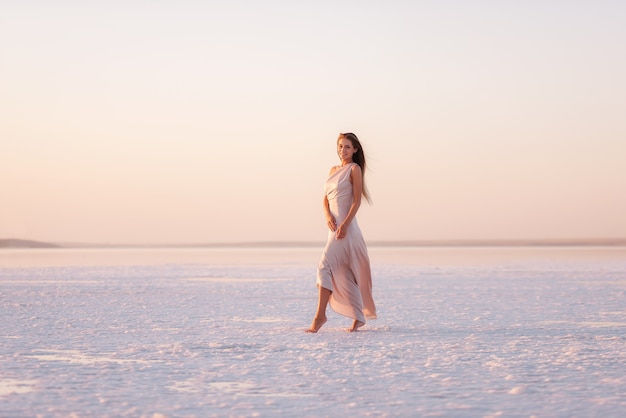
[
  {"x": 357, "y": 191},
  {"x": 330, "y": 219}
]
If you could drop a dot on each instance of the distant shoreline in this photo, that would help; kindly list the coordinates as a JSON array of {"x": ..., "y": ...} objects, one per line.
[
  {"x": 25, "y": 243},
  {"x": 14, "y": 243}
]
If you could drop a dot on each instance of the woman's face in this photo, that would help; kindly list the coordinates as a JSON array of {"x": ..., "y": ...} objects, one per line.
[{"x": 345, "y": 149}]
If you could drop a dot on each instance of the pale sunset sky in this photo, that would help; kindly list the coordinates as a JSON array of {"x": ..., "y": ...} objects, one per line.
[{"x": 216, "y": 121}]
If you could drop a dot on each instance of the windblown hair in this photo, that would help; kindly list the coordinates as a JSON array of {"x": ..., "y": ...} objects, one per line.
[{"x": 359, "y": 158}]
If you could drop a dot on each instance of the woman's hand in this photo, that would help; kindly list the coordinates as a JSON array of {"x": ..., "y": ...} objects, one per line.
[
  {"x": 331, "y": 222},
  {"x": 341, "y": 231}
]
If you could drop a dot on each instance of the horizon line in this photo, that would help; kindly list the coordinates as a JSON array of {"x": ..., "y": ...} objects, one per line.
[{"x": 548, "y": 242}]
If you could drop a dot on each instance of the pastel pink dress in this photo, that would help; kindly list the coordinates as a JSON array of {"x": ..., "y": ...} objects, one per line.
[{"x": 345, "y": 266}]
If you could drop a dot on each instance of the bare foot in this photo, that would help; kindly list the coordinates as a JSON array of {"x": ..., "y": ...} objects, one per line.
[
  {"x": 356, "y": 325},
  {"x": 316, "y": 324}
]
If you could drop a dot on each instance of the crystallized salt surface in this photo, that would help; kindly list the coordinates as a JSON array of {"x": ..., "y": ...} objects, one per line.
[{"x": 459, "y": 334}]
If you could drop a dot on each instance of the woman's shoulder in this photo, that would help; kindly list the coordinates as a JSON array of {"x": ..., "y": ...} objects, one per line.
[
  {"x": 333, "y": 169},
  {"x": 355, "y": 168}
]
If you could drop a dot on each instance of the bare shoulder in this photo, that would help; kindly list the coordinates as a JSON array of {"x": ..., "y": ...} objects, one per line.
[
  {"x": 333, "y": 169},
  {"x": 356, "y": 169}
]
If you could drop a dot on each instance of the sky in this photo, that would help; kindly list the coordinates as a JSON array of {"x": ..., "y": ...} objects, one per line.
[{"x": 207, "y": 121}]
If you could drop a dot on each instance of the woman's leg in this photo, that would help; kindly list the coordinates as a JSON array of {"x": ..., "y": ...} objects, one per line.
[
  {"x": 356, "y": 325},
  {"x": 320, "y": 315}
]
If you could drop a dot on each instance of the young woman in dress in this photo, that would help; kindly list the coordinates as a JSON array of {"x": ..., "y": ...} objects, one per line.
[{"x": 344, "y": 277}]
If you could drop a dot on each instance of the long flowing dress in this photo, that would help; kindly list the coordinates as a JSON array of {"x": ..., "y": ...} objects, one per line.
[{"x": 344, "y": 268}]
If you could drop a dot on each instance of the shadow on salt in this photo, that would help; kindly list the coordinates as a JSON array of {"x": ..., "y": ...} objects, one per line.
[
  {"x": 261, "y": 319},
  {"x": 603, "y": 282},
  {"x": 32, "y": 282},
  {"x": 76, "y": 357},
  {"x": 16, "y": 386},
  {"x": 603, "y": 324},
  {"x": 248, "y": 389},
  {"x": 194, "y": 385},
  {"x": 234, "y": 279}
]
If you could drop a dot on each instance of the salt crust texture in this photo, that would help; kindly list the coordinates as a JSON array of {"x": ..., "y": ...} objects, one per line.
[{"x": 203, "y": 340}]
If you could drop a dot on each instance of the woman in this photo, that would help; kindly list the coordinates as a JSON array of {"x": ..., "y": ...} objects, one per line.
[{"x": 343, "y": 277}]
